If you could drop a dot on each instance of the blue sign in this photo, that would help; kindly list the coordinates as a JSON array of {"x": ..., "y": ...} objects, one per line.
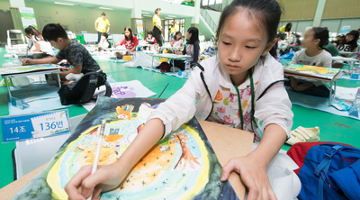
[{"x": 24, "y": 127}]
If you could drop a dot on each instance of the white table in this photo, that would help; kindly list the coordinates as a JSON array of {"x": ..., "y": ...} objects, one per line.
[
  {"x": 346, "y": 53},
  {"x": 170, "y": 57},
  {"x": 332, "y": 81},
  {"x": 351, "y": 62},
  {"x": 13, "y": 74}
]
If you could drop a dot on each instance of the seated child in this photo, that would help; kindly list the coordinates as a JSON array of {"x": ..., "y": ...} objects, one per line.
[
  {"x": 152, "y": 41},
  {"x": 314, "y": 41},
  {"x": 192, "y": 48},
  {"x": 104, "y": 43},
  {"x": 177, "y": 41},
  {"x": 349, "y": 43},
  {"x": 129, "y": 40},
  {"x": 40, "y": 45},
  {"x": 71, "y": 50}
]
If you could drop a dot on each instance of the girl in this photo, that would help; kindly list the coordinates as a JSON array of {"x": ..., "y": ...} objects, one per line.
[
  {"x": 177, "y": 41},
  {"x": 129, "y": 40},
  {"x": 349, "y": 44},
  {"x": 314, "y": 41},
  {"x": 243, "y": 71},
  {"x": 40, "y": 45},
  {"x": 104, "y": 43},
  {"x": 152, "y": 41},
  {"x": 192, "y": 48}
]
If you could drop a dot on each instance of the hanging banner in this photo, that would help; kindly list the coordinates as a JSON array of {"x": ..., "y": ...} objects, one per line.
[
  {"x": 345, "y": 29},
  {"x": 182, "y": 2},
  {"x": 27, "y": 17},
  {"x": 140, "y": 28}
]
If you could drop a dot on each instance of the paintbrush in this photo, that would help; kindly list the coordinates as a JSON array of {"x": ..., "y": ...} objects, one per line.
[{"x": 98, "y": 149}]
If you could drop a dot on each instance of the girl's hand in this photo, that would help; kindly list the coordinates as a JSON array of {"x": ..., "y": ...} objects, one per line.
[
  {"x": 84, "y": 184},
  {"x": 252, "y": 174}
]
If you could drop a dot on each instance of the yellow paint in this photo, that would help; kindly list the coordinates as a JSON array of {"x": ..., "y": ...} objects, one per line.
[{"x": 204, "y": 174}]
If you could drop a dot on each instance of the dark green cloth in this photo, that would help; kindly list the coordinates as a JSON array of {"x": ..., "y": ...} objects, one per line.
[{"x": 331, "y": 48}]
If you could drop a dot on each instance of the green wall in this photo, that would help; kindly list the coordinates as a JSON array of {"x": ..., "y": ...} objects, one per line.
[{"x": 66, "y": 15}]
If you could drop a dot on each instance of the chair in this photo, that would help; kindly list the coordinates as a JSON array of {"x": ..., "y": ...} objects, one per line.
[{"x": 14, "y": 37}]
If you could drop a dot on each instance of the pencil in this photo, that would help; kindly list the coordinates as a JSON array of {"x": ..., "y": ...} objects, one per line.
[
  {"x": 163, "y": 90},
  {"x": 98, "y": 149}
]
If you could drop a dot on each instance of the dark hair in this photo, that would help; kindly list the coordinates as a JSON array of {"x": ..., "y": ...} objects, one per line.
[
  {"x": 352, "y": 43},
  {"x": 157, "y": 10},
  {"x": 32, "y": 30},
  {"x": 105, "y": 35},
  {"x": 194, "y": 35},
  {"x": 103, "y": 13},
  {"x": 131, "y": 34},
  {"x": 53, "y": 32},
  {"x": 288, "y": 27},
  {"x": 150, "y": 33},
  {"x": 281, "y": 36},
  {"x": 177, "y": 33},
  {"x": 268, "y": 12},
  {"x": 323, "y": 35}
]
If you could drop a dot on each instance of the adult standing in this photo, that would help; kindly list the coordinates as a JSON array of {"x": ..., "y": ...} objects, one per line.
[
  {"x": 102, "y": 25},
  {"x": 157, "y": 26}
]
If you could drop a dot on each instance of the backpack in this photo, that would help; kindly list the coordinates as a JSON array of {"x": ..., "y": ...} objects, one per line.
[
  {"x": 328, "y": 170},
  {"x": 83, "y": 90}
]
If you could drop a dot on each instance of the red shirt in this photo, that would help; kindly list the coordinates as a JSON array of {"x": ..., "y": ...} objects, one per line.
[{"x": 128, "y": 44}]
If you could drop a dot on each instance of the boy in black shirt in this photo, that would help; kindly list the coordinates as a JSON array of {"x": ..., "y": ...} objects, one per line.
[{"x": 71, "y": 50}]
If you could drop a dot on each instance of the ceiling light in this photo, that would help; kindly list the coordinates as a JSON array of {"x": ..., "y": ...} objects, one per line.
[
  {"x": 171, "y": 16},
  {"x": 106, "y": 8},
  {"x": 145, "y": 13},
  {"x": 61, "y": 3}
]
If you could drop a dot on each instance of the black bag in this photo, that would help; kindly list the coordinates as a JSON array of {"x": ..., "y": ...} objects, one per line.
[{"x": 83, "y": 90}]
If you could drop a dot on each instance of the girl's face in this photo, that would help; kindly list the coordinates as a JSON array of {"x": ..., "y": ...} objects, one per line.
[
  {"x": 178, "y": 36},
  {"x": 241, "y": 43},
  {"x": 188, "y": 35},
  {"x": 127, "y": 33},
  {"x": 309, "y": 40},
  {"x": 349, "y": 38},
  {"x": 103, "y": 38},
  {"x": 149, "y": 36}
]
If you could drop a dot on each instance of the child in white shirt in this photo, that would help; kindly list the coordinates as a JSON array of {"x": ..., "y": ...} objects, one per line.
[
  {"x": 104, "y": 43},
  {"x": 246, "y": 76},
  {"x": 177, "y": 41},
  {"x": 314, "y": 41}
]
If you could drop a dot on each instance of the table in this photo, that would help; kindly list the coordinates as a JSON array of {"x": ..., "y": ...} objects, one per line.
[
  {"x": 21, "y": 71},
  {"x": 346, "y": 53},
  {"x": 351, "y": 62},
  {"x": 171, "y": 58},
  {"x": 324, "y": 80},
  {"x": 229, "y": 144}
]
